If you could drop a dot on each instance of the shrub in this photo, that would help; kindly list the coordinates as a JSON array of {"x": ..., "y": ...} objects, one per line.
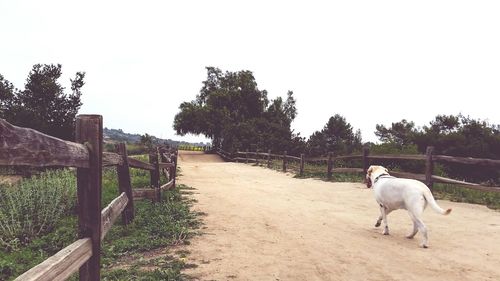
[
  {"x": 135, "y": 149},
  {"x": 33, "y": 206}
]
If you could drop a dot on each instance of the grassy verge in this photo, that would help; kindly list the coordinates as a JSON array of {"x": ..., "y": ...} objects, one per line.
[
  {"x": 317, "y": 171},
  {"x": 457, "y": 193},
  {"x": 453, "y": 193},
  {"x": 156, "y": 226}
]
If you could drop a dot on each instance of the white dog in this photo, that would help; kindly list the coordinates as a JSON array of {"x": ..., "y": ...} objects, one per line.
[{"x": 395, "y": 193}]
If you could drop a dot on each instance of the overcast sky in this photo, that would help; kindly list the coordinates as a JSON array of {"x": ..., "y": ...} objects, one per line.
[{"x": 373, "y": 62}]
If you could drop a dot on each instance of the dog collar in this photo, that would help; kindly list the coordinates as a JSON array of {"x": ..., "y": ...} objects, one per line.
[{"x": 379, "y": 176}]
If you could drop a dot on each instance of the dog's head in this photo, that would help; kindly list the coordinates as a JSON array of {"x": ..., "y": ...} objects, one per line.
[{"x": 373, "y": 172}]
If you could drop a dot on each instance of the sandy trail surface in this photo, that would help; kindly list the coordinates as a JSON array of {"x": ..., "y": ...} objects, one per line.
[{"x": 262, "y": 224}]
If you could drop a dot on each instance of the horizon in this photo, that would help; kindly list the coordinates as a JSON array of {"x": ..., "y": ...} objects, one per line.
[{"x": 372, "y": 63}]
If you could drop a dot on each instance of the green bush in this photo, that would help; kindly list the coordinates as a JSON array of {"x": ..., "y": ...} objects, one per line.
[
  {"x": 463, "y": 194},
  {"x": 33, "y": 206},
  {"x": 135, "y": 149}
]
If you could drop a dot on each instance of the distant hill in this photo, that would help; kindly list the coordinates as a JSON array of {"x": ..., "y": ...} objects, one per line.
[{"x": 118, "y": 135}]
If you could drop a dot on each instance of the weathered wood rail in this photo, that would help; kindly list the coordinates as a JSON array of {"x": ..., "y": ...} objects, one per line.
[
  {"x": 26, "y": 147},
  {"x": 367, "y": 159}
]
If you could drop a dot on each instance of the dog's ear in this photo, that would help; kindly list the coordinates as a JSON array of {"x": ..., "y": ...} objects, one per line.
[
  {"x": 369, "y": 171},
  {"x": 368, "y": 180}
]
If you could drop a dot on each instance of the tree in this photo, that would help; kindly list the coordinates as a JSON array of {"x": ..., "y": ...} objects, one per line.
[
  {"x": 316, "y": 144},
  {"x": 6, "y": 97},
  {"x": 147, "y": 141},
  {"x": 43, "y": 105},
  {"x": 337, "y": 136},
  {"x": 450, "y": 135},
  {"x": 232, "y": 111},
  {"x": 400, "y": 133}
]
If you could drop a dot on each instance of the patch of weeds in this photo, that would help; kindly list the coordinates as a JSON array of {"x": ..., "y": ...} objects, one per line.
[
  {"x": 318, "y": 170},
  {"x": 182, "y": 253},
  {"x": 462, "y": 194},
  {"x": 155, "y": 226},
  {"x": 14, "y": 263},
  {"x": 170, "y": 272},
  {"x": 33, "y": 207}
]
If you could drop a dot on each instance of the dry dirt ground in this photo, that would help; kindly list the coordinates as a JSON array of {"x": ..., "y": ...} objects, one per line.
[{"x": 266, "y": 225}]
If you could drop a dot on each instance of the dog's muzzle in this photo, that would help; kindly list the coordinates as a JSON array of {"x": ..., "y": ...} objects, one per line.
[{"x": 368, "y": 182}]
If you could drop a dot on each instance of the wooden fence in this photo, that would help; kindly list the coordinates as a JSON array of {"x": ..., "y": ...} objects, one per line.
[
  {"x": 27, "y": 147},
  {"x": 367, "y": 159}
]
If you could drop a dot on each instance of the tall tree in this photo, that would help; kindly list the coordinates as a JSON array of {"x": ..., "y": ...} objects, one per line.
[
  {"x": 232, "y": 111},
  {"x": 6, "y": 98},
  {"x": 451, "y": 135},
  {"x": 43, "y": 105},
  {"x": 147, "y": 141},
  {"x": 336, "y": 136},
  {"x": 400, "y": 133}
]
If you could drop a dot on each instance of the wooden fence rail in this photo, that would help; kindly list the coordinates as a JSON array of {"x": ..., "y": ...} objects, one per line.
[
  {"x": 367, "y": 159},
  {"x": 27, "y": 147}
]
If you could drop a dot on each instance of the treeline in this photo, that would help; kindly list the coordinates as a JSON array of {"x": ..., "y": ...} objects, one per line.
[
  {"x": 454, "y": 135},
  {"x": 232, "y": 111},
  {"x": 43, "y": 104},
  {"x": 46, "y": 106},
  {"x": 139, "y": 144},
  {"x": 235, "y": 114}
]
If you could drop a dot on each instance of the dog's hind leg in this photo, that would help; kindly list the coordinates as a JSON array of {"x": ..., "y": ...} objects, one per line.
[
  {"x": 423, "y": 229},
  {"x": 416, "y": 213},
  {"x": 415, "y": 227},
  {"x": 379, "y": 221}
]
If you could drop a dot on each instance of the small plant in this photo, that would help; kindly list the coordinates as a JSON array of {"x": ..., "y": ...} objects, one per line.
[
  {"x": 463, "y": 194},
  {"x": 50, "y": 198},
  {"x": 33, "y": 206}
]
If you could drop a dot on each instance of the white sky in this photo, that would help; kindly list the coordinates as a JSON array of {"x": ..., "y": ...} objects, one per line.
[{"x": 371, "y": 61}]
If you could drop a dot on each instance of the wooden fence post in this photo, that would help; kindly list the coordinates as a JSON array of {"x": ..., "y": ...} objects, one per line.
[
  {"x": 89, "y": 132},
  {"x": 329, "y": 166},
  {"x": 302, "y": 160},
  {"x": 174, "y": 172},
  {"x": 154, "y": 175},
  {"x": 257, "y": 157},
  {"x": 246, "y": 156},
  {"x": 124, "y": 183},
  {"x": 157, "y": 174},
  {"x": 429, "y": 166},
  {"x": 284, "y": 161},
  {"x": 366, "y": 163},
  {"x": 269, "y": 158},
  {"x": 151, "y": 172}
]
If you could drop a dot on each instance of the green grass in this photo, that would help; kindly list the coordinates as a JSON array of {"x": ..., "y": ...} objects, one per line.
[
  {"x": 317, "y": 171},
  {"x": 457, "y": 193},
  {"x": 191, "y": 148},
  {"x": 156, "y": 226},
  {"x": 32, "y": 207},
  {"x": 453, "y": 193}
]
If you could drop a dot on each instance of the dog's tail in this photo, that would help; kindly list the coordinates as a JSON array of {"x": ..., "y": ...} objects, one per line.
[{"x": 430, "y": 199}]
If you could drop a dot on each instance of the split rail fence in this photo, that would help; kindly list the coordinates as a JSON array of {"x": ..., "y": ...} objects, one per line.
[
  {"x": 27, "y": 147},
  {"x": 428, "y": 177}
]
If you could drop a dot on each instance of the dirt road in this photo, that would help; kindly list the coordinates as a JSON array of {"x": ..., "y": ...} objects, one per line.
[{"x": 266, "y": 225}]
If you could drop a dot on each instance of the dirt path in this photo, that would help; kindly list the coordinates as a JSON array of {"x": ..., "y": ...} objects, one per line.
[{"x": 265, "y": 225}]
